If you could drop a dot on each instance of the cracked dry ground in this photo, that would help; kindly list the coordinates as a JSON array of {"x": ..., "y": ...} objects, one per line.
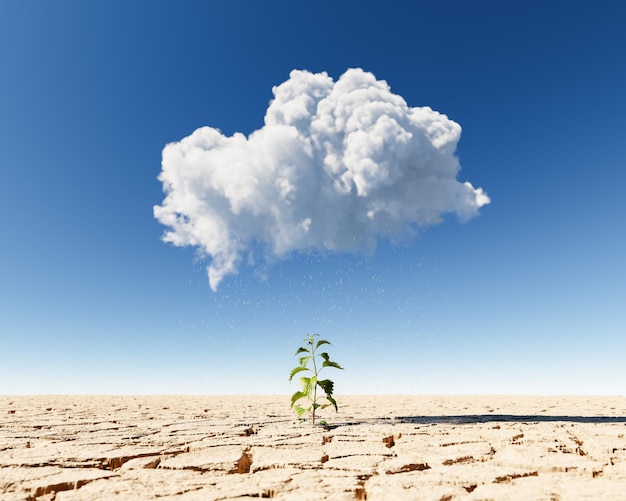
[{"x": 408, "y": 447}]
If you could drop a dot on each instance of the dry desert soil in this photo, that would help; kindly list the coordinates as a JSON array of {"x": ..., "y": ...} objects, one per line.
[{"x": 438, "y": 448}]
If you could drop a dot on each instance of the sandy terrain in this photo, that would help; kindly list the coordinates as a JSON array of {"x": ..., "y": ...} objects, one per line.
[{"x": 383, "y": 447}]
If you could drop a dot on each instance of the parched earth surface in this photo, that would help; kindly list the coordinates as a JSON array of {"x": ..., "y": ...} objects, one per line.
[{"x": 381, "y": 447}]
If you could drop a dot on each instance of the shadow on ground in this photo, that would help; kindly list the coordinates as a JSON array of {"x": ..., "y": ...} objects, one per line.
[
  {"x": 487, "y": 418},
  {"x": 508, "y": 418}
]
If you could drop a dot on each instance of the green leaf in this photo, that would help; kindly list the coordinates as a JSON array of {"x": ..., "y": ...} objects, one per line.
[
  {"x": 302, "y": 350},
  {"x": 301, "y": 410},
  {"x": 332, "y": 401},
  {"x": 325, "y": 356},
  {"x": 297, "y": 396},
  {"x": 328, "y": 363},
  {"x": 307, "y": 384},
  {"x": 296, "y": 370},
  {"x": 321, "y": 342},
  {"x": 305, "y": 360},
  {"x": 327, "y": 385}
]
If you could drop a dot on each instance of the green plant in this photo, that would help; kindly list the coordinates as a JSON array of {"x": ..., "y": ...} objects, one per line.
[{"x": 311, "y": 383}]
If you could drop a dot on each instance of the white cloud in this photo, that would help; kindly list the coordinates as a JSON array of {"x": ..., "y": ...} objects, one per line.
[{"x": 336, "y": 166}]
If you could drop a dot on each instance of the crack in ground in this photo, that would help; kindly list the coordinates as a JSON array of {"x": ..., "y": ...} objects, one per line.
[{"x": 60, "y": 487}]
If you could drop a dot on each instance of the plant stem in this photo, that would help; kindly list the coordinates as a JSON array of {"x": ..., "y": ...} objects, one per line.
[{"x": 314, "y": 386}]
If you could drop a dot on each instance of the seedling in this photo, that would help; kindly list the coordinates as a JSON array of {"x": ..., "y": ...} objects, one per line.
[{"x": 310, "y": 384}]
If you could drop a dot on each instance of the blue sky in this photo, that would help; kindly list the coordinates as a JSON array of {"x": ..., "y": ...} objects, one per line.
[{"x": 527, "y": 297}]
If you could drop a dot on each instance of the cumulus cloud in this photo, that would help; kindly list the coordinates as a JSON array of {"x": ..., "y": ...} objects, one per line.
[{"x": 336, "y": 166}]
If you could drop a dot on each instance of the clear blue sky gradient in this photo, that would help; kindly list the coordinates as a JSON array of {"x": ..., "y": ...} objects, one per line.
[{"x": 529, "y": 297}]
